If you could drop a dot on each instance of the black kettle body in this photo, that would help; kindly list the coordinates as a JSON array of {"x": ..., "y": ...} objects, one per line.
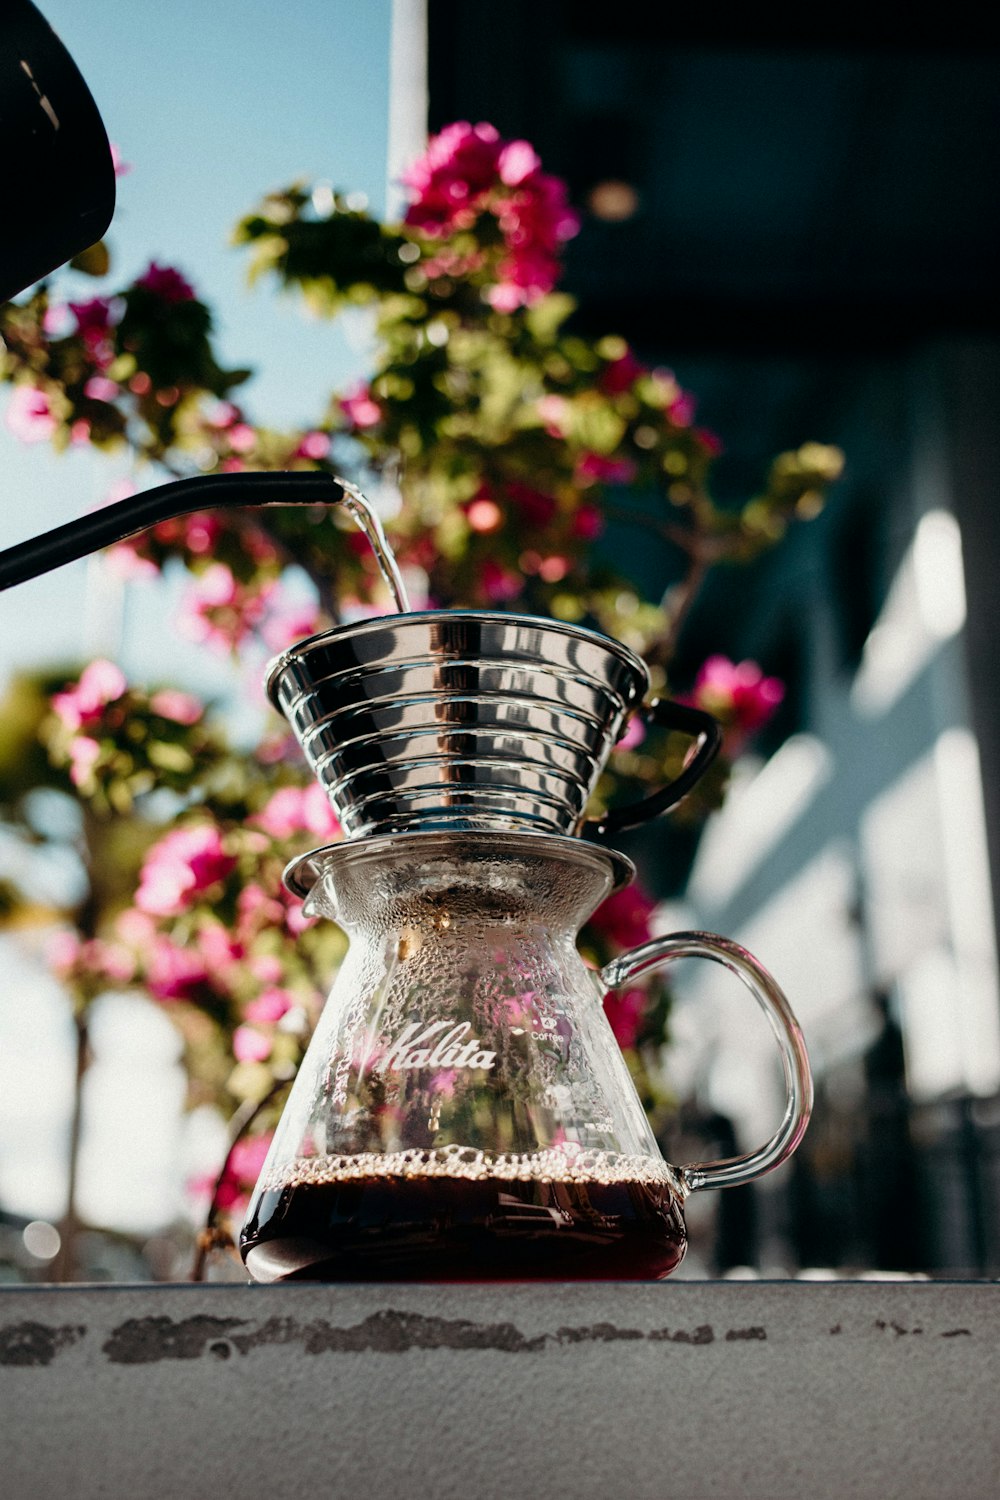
[{"x": 57, "y": 176}]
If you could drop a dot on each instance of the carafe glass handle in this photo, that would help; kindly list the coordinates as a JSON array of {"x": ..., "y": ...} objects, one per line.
[
  {"x": 685, "y": 719},
  {"x": 794, "y": 1061}
]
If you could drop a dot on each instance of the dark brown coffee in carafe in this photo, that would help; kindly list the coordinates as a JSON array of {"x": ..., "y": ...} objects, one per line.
[{"x": 475, "y": 1228}]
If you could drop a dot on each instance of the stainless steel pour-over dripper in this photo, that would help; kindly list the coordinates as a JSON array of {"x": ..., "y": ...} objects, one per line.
[{"x": 471, "y": 720}]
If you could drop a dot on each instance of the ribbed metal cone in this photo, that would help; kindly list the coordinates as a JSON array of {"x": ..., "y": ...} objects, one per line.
[{"x": 457, "y": 719}]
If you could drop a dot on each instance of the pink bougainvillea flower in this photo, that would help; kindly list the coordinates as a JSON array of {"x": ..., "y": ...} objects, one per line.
[
  {"x": 276, "y": 746},
  {"x": 314, "y": 445},
  {"x": 459, "y": 165},
  {"x": 483, "y": 515},
  {"x": 681, "y": 410},
  {"x": 317, "y": 814},
  {"x": 261, "y": 548},
  {"x": 200, "y": 1187},
  {"x": 181, "y": 708},
  {"x": 498, "y": 583},
  {"x": 588, "y": 523},
  {"x": 267, "y": 967},
  {"x": 516, "y": 162},
  {"x": 506, "y": 297},
  {"x": 535, "y": 224},
  {"x": 100, "y": 683},
  {"x": 248, "y": 1156},
  {"x": 635, "y": 733},
  {"x": 257, "y": 909},
  {"x": 553, "y": 569},
  {"x": 442, "y": 1082},
  {"x": 242, "y": 1170},
  {"x": 84, "y": 753},
  {"x": 94, "y": 321},
  {"x": 241, "y": 437},
  {"x": 270, "y": 1005},
  {"x": 172, "y": 972},
  {"x": 63, "y": 951},
  {"x": 293, "y": 810},
  {"x": 281, "y": 817},
  {"x": 223, "y": 415},
  {"x": 553, "y": 411},
  {"x": 296, "y": 920},
  {"x": 115, "y": 960},
  {"x": 71, "y": 956},
  {"x": 221, "y": 952},
  {"x": 250, "y": 1045},
  {"x": 289, "y": 620},
  {"x": 467, "y": 171},
  {"x": 534, "y": 507},
  {"x": 710, "y": 441},
  {"x": 737, "y": 692},
  {"x": 93, "y": 317},
  {"x": 598, "y": 468},
  {"x": 177, "y": 869},
  {"x": 200, "y": 531},
  {"x": 29, "y": 414},
  {"x": 624, "y": 1009},
  {"x": 219, "y": 611},
  {"x": 262, "y": 911},
  {"x": 624, "y": 917},
  {"x": 166, "y": 282},
  {"x": 135, "y": 929},
  {"x": 620, "y": 374},
  {"x": 122, "y": 489},
  {"x": 58, "y": 320},
  {"x": 360, "y": 409},
  {"x": 100, "y": 388},
  {"x": 126, "y": 559}
]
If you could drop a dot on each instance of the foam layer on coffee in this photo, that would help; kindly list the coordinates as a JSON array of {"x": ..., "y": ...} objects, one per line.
[{"x": 558, "y": 1164}]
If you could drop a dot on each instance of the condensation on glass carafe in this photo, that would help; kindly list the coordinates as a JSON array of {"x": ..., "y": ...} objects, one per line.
[{"x": 464, "y": 1107}]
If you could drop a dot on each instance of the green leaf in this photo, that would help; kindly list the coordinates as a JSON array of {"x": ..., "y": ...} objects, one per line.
[
  {"x": 546, "y": 317},
  {"x": 94, "y": 261},
  {"x": 170, "y": 757}
]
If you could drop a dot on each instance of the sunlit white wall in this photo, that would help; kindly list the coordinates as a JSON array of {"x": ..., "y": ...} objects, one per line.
[{"x": 856, "y": 860}]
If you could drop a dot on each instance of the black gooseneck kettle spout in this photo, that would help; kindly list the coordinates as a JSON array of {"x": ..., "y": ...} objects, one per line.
[{"x": 126, "y": 518}]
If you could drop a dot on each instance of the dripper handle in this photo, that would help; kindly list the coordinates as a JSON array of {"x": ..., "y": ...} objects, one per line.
[
  {"x": 667, "y": 714},
  {"x": 735, "y": 1170}
]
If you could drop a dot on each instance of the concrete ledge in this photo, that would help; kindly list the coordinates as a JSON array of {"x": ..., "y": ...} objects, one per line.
[{"x": 694, "y": 1389}]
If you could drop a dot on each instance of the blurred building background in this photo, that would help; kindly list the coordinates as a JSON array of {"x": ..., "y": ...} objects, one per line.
[{"x": 799, "y": 217}]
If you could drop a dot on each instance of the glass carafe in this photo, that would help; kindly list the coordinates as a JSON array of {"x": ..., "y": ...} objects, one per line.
[{"x": 463, "y": 1111}]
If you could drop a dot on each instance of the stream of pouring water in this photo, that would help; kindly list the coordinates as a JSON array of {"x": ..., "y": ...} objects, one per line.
[{"x": 361, "y": 509}]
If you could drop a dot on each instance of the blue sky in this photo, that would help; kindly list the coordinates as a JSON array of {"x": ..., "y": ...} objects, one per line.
[{"x": 215, "y": 103}]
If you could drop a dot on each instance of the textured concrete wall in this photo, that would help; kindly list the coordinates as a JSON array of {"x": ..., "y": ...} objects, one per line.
[{"x": 693, "y": 1389}]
